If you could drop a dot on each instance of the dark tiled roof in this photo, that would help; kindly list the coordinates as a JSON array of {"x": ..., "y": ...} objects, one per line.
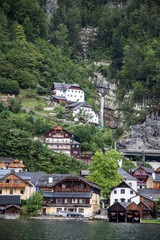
[
  {"x": 68, "y": 194},
  {"x": 150, "y": 192},
  {"x": 58, "y": 97},
  {"x": 126, "y": 175},
  {"x": 65, "y": 86},
  {"x": 34, "y": 176},
  {"x": 8, "y": 199},
  {"x": 6, "y": 160},
  {"x": 125, "y": 204},
  {"x": 156, "y": 179},
  {"x": 4, "y": 172},
  {"x": 148, "y": 170},
  {"x": 43, "y": 181}
]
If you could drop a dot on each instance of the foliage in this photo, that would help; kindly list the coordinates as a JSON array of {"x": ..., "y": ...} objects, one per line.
[
  {"x": 127, "y": 164},
  {"x": 103, "y": 170},
  {"x": 157, "y": 206},
  {"x": 35, "y": 202}
]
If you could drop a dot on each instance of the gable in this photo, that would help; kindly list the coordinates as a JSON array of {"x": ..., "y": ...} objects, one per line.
[
  {"x": 133, "y": 206},
  {"x": 116, "y": 207},
  {"x": 11, "y": 180}
]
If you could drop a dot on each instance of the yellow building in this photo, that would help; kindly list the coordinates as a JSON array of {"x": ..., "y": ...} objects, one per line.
[{"x": 11, "y": 184}]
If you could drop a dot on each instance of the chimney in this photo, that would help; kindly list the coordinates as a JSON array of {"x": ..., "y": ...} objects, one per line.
[
  {"x": 50, "y": 179},
  {"x": 153, "y": 175}
]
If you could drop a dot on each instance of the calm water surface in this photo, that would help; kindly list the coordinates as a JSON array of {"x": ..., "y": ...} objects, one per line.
[{"x": 76, "y": 230}]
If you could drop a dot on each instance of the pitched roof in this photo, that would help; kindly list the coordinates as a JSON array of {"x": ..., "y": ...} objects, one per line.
[
  {"x": 6, "y": 160},
  {"x": 126, "y": 175},
  {"x": 68, "y": 194},
  {"x": 16, "y": 164},
  {"x": 123, "y": 184},
  {"x": 15, "y": 174},
  {"x": 10, "y": 199},
  {"x": 4, "y": 172},
  {"x": 145, "y": 206},
  {"x": 156, "y": 179},
  {"x": 33, "y": 176},
  {"x": 65, "y": 86},
  {"x": 142, "y": 195},
  {"x": 148, "y": 170},
  {"x": 43, "y": 181},
  {"x": 58, "y": 97},
  {"x": 2, "y": 164},
  {"x": 150, "y": 192}
]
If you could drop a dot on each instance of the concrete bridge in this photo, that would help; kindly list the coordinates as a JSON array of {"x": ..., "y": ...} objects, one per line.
[{"x": 150, "y": 155}]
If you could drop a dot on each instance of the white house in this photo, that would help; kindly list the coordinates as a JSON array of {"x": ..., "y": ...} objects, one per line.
[
  {"x": 83, "y": 110},
  {"x": 72, "y": 92},
  {"x": 123, "y": 193}
]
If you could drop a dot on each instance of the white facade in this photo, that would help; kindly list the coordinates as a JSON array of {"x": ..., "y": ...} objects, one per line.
[
  {"x": 132, "y": 184},
  {"x": 123, "y": 194},
  {"x": 59, "y": 145},
  {"x": 74, "y": 95},
  {"x": 87, "y": 113}
]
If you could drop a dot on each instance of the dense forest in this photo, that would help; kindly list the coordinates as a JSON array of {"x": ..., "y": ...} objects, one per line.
[{"x": 37, "y": 49}]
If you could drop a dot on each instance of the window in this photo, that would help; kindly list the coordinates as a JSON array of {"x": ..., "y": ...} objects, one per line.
[
  {"x": 67, "y": 200},
  {"x": 72, "y": 146},
  {"x": 8, "y": 180},
  {"x": 81, "y": 210},
  {"x": 58, "y": 200},
  {"x": 122, "y": 199},
  {"x": 75, "y": 152},
  {"x": 59, "y": 209},
  {"x": 74, "y": 200},
  {"x": 0, "y": 191},
  {"x": 11, "y": 191},
  {"x": 123, "y": 191},
  {"x": 157, "y": 184},
  {"x": 63, "y": 185},
  {"x": 82, "y": 201},
  {"x": 66, "y": 134},
  {"x": 129, "y": 200},
  {"x": 82, "y": 185},
  {"x": 14, "y": 180},
  {"x": 130, "y": 184},
  {"x": 115, "y": 191},
  {"x": 131, "y": 192},
  {"x": 50, "y": 134},
  {"x": 77, "y": 146},
  {"x": 149, "y": 183},
  {"x": 22, "y": 191},
  {"x": 116, "y": 200},
  {"x": 75, "y": 96}
]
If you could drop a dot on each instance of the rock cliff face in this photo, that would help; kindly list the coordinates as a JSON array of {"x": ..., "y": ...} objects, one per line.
[
  {"x": 145, "y": 136},
  {"x": 51, "y": 5}
]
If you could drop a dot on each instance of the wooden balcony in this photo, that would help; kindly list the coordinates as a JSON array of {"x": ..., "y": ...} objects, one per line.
[
  {"x": 12, "y": 185},
  {"x": 72, "y": 190}
]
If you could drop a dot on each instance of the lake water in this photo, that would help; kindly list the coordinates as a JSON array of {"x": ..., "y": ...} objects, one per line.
[{"x": 76, "y": 230}]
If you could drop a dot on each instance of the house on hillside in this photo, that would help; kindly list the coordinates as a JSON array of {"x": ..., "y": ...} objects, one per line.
[
  {"x": 71, "y": 92},
  {"x": 60, "y": 140},
  {"x": 9, "y": 206},
  {"x": 69, "y": 192},
  {"x": 82, "y": 110},
  {"x": 13, "y": 164},
  {"x": 141, "y": 174},
  {"x": 12, "y": 184}
]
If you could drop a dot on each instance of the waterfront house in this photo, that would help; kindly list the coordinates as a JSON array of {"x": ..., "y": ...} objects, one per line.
[
  {"x": 124, "y": 212},
  {"x": 153, "y": 181},
  {"x": 11, "y": 184},
  {"x": 70, "y": 92},
  {"x": 141, "y": 174},
  {"x": 69, "y": 192},
  {"x": 9, "y": 206},
  {"x": 60, "y": 140},
  {"x": 123, "y": 193}
]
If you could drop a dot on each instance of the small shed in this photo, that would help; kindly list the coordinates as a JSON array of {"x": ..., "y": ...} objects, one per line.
[
  {"x": 116, "y": 212},
  {"x": 147, "y": 212},
  {"x": 133, "y": 212}
]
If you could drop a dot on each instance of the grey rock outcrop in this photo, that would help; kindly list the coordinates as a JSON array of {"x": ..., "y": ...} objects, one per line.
[{"x": 145, "y": 136}]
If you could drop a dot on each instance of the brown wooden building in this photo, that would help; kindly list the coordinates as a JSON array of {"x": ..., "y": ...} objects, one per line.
[
  {"x": 141, "y": 173},
  {"x": 69, "y": 192},
  {"x": 10, "y": 205}
]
